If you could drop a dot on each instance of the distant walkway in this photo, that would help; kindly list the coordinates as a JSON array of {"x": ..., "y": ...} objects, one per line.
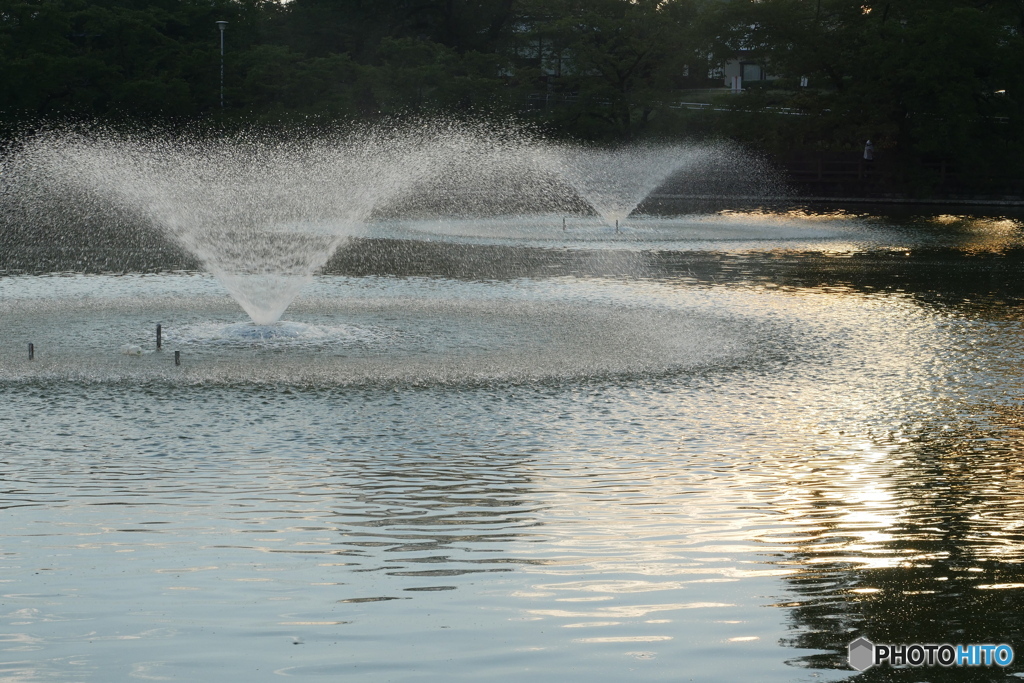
[{"x": 786, "y": 199}]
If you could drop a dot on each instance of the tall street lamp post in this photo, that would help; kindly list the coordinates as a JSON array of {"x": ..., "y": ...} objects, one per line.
[{"x": 222, "y": 25}]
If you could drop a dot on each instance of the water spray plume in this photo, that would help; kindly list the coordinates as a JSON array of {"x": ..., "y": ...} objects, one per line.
[
  {"x": 264, "y": 212},
  {"x": 615, "y": 180}
]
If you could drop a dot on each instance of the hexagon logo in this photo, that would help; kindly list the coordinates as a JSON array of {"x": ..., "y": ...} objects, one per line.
[{"x": 862, "y": 654}]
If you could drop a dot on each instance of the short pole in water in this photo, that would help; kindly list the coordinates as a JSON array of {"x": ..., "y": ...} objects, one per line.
[
  {"x": 31, "y": 351},
  {"x": 616, "y": 225},
  {"x": 159, "y": 337},
  {"x": 563, "y": 224},
  {"x": 177, "y": 357}
]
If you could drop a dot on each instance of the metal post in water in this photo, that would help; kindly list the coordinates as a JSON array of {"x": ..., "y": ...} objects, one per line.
[
  {"x": 159, "y": 337},
  {"x": 563, "y": 223},
  {"x": 616, "y": 225},
  {"x": 31, "y": 351},
  {"x": 177, "y": 357},
  {"x": 222, "y": 25}
]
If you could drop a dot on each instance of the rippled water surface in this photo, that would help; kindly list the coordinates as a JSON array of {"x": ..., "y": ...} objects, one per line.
[{"x": 708, "y": 448}]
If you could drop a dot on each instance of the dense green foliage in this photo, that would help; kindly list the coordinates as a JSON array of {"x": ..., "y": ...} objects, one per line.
[
  {"x": 931, "y": 80},
  {"x": 927, "y": 80}
]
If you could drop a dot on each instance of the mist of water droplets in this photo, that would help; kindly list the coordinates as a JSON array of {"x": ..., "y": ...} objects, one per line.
[{"x": 264, "y": 211}]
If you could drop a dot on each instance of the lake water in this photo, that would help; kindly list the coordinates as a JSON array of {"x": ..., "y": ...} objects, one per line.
[{"x": 711, "y": 447}]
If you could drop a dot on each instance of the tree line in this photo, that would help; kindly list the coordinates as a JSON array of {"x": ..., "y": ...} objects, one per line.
[{"x": 926, "y": 80}]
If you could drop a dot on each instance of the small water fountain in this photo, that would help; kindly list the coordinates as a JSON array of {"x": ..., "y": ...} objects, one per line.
[{"x": 614, "y": 181}]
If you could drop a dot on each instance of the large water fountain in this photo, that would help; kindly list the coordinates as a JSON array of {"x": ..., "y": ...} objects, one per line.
[{"x": 260, "y": 214}]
